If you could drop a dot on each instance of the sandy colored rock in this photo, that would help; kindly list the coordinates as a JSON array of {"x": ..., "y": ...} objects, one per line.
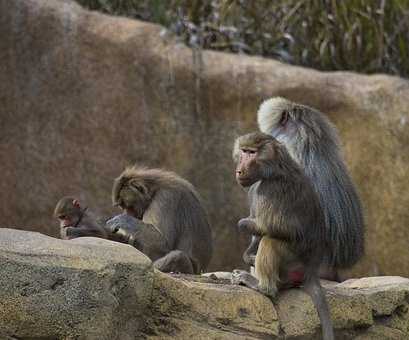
[
  {"x": 84, "y": 94},
  {"x": 83, "y": 289},
  {"x": 382, "y": 333},
  {"x": 374, "y": 282},
  {"x": 96, "y": 289},
  {"x": 225, "y": 306},
  {"x": 298, "y": 315}
]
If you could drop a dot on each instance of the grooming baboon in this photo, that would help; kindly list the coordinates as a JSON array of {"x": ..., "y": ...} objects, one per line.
[
  {"x": 313, "y": 143},
  {"x": 76, "y": 221},
  {"x": 169, "y": 207},
  {"x": 287, "y": 216}
]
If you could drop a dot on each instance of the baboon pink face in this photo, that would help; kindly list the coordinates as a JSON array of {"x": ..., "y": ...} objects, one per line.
[
  {"x": 65, "y": 221},
  {"x": 246, "y": 170},
  {"x": 67, "y": 212}
]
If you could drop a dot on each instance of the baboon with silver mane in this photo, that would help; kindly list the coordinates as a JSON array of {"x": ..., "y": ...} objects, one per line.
[
  {"x": 313, "y": 142},
  {"x": 287, "y": 216}
]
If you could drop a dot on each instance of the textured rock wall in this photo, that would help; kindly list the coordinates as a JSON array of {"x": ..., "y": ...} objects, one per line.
[{"x": 83, "y": 94}]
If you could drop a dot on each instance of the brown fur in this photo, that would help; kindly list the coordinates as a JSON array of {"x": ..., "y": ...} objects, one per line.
[
  {"x": 313, "y": 142},
  {"x": 287, "y": 215},
  {"x": 268, "y": 264},
  {"x": 164, "y": 201},
  {"x": 76, "y": 221}
]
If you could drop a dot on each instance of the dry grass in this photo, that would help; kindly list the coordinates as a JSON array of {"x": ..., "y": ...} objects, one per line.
[{"x": 361, "y": 35}]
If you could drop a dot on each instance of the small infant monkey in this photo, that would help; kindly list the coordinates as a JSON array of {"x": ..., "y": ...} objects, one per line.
[{"x": 76, "y": 221}]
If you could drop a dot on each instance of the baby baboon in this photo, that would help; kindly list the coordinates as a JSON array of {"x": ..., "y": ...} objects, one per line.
[
  {"x": 168, "y": 206},
  {"x": 76, "y": 221},
  {"x": 313, "y": 143},
  {"x": 286, "y": 214}
]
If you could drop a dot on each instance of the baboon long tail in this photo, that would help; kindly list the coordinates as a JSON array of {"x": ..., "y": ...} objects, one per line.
[{"x": 313, "y": 288}]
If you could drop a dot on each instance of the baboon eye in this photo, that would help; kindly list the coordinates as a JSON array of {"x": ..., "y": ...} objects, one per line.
[
  {"x": 284, "y": 118},
  {"x": 62, "y": 217},
  {"x": 250, "y": 151}
]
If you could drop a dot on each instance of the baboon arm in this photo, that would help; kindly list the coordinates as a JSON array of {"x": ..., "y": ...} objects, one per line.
[
  {"x": 249, "y": 255},
  {"x": 149, "y": 239},
  {"x": 73, "y": 232},
  {"x": 162, "y": 213},
  {"x": 143, "y": 236},
  {"x": 249, "y": 226}
]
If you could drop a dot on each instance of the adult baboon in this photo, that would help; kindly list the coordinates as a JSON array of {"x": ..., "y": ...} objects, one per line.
[
  {"x": 167, "y": 206},
  {"x": 312, "y": 141},
  {"x": 287, "y": 216},
  {"x": 76, "y": 221}
]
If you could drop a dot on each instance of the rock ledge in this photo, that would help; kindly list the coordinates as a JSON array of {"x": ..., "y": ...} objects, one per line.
[{"x": 90, "y": 288}]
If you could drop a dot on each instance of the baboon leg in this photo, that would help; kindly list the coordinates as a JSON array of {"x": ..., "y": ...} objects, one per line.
[
  {"x": 74, "y": 232},
  {"x": 327, "y": 272},
  {"x": 267, "y": 266},
  {"x": 176, "y": 261},
  {"x": 248, "y": 225}
]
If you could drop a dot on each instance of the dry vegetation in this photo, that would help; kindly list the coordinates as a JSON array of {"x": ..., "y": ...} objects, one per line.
[{"x": 361, "y": 35}]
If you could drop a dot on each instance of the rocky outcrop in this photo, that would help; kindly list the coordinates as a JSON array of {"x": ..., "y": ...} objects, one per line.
[
  {"x": 89, "y": 288},
  {"x": 84, "y": 94}
]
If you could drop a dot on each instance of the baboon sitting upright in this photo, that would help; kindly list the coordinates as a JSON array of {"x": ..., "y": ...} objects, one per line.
[
  {"x": 313, "y": 142},
  {"x": 287, "y": 216}
]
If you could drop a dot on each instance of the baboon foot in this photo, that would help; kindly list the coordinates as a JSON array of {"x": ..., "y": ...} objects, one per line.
[{"x": 241, "y": 277}]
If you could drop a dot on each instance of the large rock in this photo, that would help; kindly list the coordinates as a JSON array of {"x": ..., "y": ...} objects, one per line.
[
  {"x": 83, "y": 94},
  {"x": 85, "y": 289},
  {"x": 100, "y": 290}
]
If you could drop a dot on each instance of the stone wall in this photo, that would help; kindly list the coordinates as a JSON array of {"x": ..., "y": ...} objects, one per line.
[{"x": 83, "y": 94}]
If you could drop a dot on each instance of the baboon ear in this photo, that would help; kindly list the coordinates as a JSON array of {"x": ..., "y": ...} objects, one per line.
[
  {"x": 76, "y": 203},
  {"x": 284, "y": 118}
]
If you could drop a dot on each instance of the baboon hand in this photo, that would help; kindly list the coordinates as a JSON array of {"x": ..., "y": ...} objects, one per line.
[
  {"x": 248, "y": 225},
  {"x": 123, "y": 226}
]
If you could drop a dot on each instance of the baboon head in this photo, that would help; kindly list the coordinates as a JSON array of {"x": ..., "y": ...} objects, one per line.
[
  {"x": 132, "y": 192},
  {"x": 295, "y": 125},
  {"x": 257, "y": 155},
  {"x": 68, "y": 211}
]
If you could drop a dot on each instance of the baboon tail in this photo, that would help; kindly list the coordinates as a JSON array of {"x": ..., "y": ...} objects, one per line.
[{"x": 313, "y": 288}]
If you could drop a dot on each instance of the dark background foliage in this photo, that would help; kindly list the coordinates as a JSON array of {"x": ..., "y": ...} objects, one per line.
[{"x": 361, "y": 35}]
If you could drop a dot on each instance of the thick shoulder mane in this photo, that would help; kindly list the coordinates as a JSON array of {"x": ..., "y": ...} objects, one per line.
[{"x": 159, "y": 177}]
